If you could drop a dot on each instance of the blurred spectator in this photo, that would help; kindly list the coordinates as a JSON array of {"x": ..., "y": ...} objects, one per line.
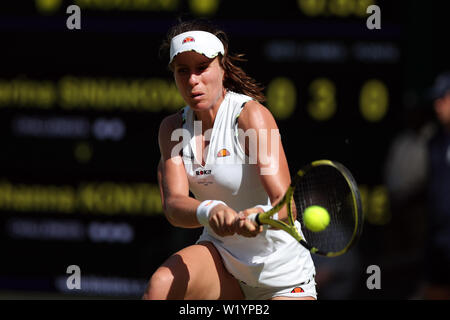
[
  {"x": 437, "y": 257},
  {"x": 417, "y": 174},
  {"x": 405, "y": 176},
  {"x": 406, "y": 167}
]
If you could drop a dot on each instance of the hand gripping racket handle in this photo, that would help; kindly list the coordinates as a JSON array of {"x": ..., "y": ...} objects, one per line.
[{"x": 254, "y": 217}]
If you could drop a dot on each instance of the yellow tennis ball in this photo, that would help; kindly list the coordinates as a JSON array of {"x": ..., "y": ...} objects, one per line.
[{"x": 316, "y": 218}]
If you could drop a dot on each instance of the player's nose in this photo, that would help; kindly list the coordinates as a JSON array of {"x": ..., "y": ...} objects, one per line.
[{"x": 194, "y": 79}]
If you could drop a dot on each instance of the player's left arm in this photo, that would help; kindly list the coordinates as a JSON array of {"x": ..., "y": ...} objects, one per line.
[{"x": 271, "y": 159}]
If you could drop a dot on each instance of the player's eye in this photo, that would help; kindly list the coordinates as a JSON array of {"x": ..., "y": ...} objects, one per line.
[
  {"x": 202, "y": 67},
  {"x": 182, "y": 71}
]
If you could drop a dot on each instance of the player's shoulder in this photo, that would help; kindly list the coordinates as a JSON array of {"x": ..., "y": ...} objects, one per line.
[
  {"x": 254, "y": 106},
  {"x": 167, "y": 127},
  {"x": 255, "y": 115},
  {"x": 170, "y": 123}
]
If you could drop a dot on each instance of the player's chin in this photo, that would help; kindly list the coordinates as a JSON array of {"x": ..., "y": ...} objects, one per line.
[{"x": 201, "y": 105}]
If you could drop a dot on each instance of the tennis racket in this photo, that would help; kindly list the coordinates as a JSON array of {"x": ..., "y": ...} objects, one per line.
[{"x": 327, "y": 184}]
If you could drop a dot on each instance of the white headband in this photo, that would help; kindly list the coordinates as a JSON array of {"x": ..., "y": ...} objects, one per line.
[{"x": 199, "y": 41}]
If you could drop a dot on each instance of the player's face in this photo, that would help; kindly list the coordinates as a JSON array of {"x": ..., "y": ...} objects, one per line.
[
  {"x": 199, "y": 80},
  {"x": 442, "y": 108}
]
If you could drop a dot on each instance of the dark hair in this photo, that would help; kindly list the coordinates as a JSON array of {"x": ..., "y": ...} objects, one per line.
[{"x": 235, "y": 79}]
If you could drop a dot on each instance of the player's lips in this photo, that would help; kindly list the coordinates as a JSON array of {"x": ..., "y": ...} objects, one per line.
[{"x": 197, "y": 95}]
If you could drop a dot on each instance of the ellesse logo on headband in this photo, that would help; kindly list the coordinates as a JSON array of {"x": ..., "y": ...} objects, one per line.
[{"x": 188, "y": 39}]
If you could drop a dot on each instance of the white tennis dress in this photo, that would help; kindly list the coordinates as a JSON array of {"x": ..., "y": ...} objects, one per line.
[{"x": 271, "y": 259}]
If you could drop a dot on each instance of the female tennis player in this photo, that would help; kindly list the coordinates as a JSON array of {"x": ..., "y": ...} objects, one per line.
[{"x": 233, "y": 259}]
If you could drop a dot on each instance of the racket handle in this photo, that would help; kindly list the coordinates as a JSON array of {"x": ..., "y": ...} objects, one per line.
[{"x": 254, "y": 217}]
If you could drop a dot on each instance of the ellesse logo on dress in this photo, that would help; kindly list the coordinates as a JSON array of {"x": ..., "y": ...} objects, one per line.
[
  {"x": 223, "y": 153},
  {"x": 297, "y": 290}
]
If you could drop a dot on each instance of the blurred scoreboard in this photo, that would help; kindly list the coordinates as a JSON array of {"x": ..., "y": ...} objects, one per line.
[{"x": 80, "y": 111}]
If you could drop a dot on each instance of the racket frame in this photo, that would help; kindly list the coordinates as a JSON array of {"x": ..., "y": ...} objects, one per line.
[{"x": 267, "y": 217}]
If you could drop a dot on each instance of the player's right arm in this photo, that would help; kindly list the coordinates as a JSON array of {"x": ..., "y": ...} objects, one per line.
[{"x": 179, "y": 208}]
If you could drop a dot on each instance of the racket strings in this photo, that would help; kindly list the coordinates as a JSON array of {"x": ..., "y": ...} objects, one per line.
[{"x": 325, "y": 186}]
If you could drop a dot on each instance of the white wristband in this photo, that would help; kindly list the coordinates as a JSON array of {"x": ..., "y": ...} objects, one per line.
[
  {"x": 204, "y": 209},
  {"x": 264, "y": 207}
]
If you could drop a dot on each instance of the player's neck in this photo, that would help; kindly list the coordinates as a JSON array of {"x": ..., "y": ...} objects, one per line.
[{"x": 207, "y": 117}]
